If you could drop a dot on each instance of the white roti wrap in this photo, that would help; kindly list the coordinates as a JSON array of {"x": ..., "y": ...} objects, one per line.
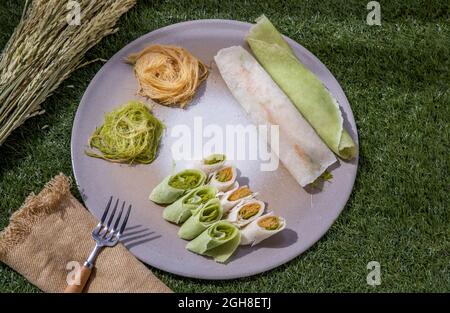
[
  {"x": 210, "y": 168},
  {"x": 236, "y": 219},
  {"x": 301, "y": 150},
  {"x": 221, "y": 194},
  {"x": 227, "y": 205},
  {"x": 254, "y": 234},
  {"x": 223, "y": 186}
]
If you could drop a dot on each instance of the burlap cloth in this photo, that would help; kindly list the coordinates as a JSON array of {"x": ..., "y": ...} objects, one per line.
[{"x": 52, "y": 229}]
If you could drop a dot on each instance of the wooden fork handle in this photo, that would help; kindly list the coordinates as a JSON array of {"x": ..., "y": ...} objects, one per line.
[{"x": 85, "y": 272}]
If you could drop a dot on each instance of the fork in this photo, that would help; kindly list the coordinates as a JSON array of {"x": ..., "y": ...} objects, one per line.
[{"x": 105, "y": 235}]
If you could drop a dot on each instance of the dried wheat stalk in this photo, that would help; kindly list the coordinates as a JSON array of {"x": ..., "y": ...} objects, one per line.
[{"x": 44, "y": 50}]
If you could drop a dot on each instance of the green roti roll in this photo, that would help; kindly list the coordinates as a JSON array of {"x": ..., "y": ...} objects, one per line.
[
  {"x": 201, "y": 219},
  {"x": 179, "y": 211},
  {"x": 311, "y": 98},
  {"x": 219, "y": 241},
  {"x": 174, "y": 186}
]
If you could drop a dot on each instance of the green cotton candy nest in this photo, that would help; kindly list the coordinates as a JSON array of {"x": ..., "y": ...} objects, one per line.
[{"x": 130, "y": 134}]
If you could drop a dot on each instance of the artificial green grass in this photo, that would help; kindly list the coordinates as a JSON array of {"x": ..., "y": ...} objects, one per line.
[{"x": 396, "y": 77}]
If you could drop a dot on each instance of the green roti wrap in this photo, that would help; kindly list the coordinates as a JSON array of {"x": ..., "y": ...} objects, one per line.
[
  {"x": 219, "y": 241},
  {"x": 174, "y": 186},
  {"x": 179, "y": 211},
  {"x": 311, "y": 98},
  {"x": 201, "y": 219}
]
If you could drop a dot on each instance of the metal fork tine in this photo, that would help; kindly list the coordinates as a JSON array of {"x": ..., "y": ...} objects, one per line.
[
  {"x": 124, "y": 223},
  {"x": 116, "y": 225},
  {"x": 101, "y": 224},
  {"x": 112, "y": 214},
  {"x": 106, "y": 210}
]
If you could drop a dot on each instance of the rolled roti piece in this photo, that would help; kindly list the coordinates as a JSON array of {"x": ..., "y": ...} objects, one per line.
[
  {"x": 174, "y": 186},
  {"x": 234, "y": 196},
  {"x": 201, "y": 219},
  {"x": 301, "y": 150},
  {"x": 246, "y": 212},
  {"x": 179, "y": 211},
  {"x": 224, "y": 178},
  {"x": 306, "y": 91},
  {"x": 219, "y": 241},
  {"x": 212, "y": 163},
  {"x": 262, "y": 228}
]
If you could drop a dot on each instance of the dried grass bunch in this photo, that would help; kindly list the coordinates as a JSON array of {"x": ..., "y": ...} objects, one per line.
[{"x": 45, "y": 49}]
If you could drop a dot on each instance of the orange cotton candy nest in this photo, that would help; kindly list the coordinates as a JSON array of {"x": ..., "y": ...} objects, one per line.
[{"x": 169, "y": 75}]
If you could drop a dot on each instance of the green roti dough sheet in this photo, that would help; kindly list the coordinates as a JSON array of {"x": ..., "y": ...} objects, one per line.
[
  {"x": 306, "y": 91},
  {"x": 219, "y": 241},
  {"x": 201, "y": 219},
  {"x": 179, "y": 211},
  {"x": 165, "y": 193}
]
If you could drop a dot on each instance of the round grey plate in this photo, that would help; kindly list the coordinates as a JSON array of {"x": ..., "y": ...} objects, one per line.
[{"x": 150, "y": 238}]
